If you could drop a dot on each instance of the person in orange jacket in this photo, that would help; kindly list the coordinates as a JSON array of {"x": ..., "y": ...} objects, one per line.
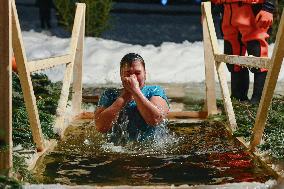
[{"x": 245, "y": 25}]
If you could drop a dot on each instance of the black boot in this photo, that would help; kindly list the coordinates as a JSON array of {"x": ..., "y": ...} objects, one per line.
[
  {"x": 259, "y": 79},
  {"x": 240, "y": 85}
]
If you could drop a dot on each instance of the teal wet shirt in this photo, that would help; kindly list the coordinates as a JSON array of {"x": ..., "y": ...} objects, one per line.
[{"x": 130, "y": 123}]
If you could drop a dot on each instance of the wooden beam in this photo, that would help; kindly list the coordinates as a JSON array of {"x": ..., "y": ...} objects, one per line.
[
  {"x": 61, "y": 109},
  {"x": 43, "y": 64},
  {"x": 77, "y": 71},
  {"x": 26, "y": 82},
  {"x": 208, "y": 20},
  {"x": 187, "y": 115},
  {"x": 6, "y": 144},
  {"x": 226, "y": 96},
  {"x": 90, "y": 99},
  {"x": 206, "y": 8},
  {"x": 171, "y": 115},
  {"x": 247, "y": 61},
  {"x": 210, "y": 103},
  {"x": 269, "y": 86}
]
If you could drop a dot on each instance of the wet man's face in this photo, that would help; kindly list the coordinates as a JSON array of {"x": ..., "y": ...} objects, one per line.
[{"x": 137, "y": 69}]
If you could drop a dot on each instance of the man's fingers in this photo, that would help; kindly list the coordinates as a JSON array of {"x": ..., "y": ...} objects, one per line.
[
  {"x": 264, "y": 24},
  {"x": 258, "y": 16},
  {"x": 264, "y": 19}
]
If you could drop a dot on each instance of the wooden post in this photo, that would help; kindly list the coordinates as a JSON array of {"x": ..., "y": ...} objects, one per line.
[
  {"x": 61, "y": 109},
  {"x": 269, "y": 86},
  {"x": 25, "y": 79},
  {"x": 210, "y": 103},
  {"x": 77, "y": 71},
  {"x": 209, "y": 26},
  {"x": 6, "y": 144}
]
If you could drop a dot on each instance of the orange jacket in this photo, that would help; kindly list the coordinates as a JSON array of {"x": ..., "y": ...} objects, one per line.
[
  {"x": 267, "y": 5},
  {"x": 235, "y": 1}
]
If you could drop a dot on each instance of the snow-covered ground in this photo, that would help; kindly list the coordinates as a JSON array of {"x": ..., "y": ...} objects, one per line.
[
  {"x": 168, "y": 63},
  {"x": 177, "y": 61}
]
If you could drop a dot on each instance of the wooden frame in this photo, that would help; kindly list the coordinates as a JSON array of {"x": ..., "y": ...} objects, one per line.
[
  {"x": 76, "y": 54},
  {"x": 210, "y": 103},
  {"x": 72, "y": 60},
  {"x": 6, "y": 144},
  {"x": 25, "y": 68},
  {"x": 269, "y": 86},
  {"x": 273, "y": 65},
  {"x": 25, "y": 80},
  {"x": 210, "y": 39}
]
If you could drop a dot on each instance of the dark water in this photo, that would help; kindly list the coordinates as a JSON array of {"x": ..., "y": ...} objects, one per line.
[{"x": 192, "y": 154}]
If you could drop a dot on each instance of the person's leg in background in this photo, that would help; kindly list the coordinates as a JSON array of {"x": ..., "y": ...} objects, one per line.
[
  {"x": 257, "y": 49},
  {"x": 239, "y": 75},
  {"x": 42, "y": 19},
  {"x": 47, "y": 15},
  {"x": 234, "y": 46},
  {"x": 255, "y": 38}
]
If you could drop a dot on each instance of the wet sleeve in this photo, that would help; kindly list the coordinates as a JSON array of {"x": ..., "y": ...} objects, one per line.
[
  {"x": 106, "y": 99},
  {"x": 159, "y": 91},
  {"x": 269, "y": 6}
]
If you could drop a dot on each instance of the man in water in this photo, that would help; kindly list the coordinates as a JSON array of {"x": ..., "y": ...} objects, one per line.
[{"x": 136, "y": 109}]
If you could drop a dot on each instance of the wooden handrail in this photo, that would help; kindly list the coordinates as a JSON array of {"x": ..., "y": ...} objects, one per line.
[
  {"x": 247, "y": 61},
  {"x": 43, "y": 64}
]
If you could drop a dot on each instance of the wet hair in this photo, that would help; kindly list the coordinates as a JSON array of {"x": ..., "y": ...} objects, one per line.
[{"x": 129, "y": 58}]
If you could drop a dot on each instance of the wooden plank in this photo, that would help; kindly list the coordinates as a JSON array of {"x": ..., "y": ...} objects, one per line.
[
  {"x": 187, "y": 115},
  {"x": 171, "y": 115},
  {"x": 269, "y": 86},
  {"x": 206, "y": 9},
  {"x": 25, "y": 79},
  {"x": 247, "y": 61},
  {"x": 77, "y": 71},
  {"x": 206, "y": 6},
  {"x": 210, "y": 103},
  {"x": 42, "y": 64},
  {"x": 226, "y": 95},
  {"x": 90, "y": 99},
  {"x": 61, "y": 109},
  {"x": 6, "y": 144},
  {"x": 35, "y": 157}
]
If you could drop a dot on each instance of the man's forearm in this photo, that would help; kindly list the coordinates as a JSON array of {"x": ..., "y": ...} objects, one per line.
[
  {"x": 150, "y": 113},
  {"x": 107, "y": 117}
]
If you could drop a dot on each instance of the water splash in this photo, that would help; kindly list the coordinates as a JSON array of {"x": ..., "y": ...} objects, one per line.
[
  {"x": 119, "y": 133},
  {"x": 162, "y": 140}
]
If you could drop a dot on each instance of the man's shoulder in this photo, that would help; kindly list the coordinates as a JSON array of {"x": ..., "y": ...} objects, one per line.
[
  {"x": 153, "y": 90},
  {"x": 108, "y": 96},
  {"x": 153, "y": 87}
]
